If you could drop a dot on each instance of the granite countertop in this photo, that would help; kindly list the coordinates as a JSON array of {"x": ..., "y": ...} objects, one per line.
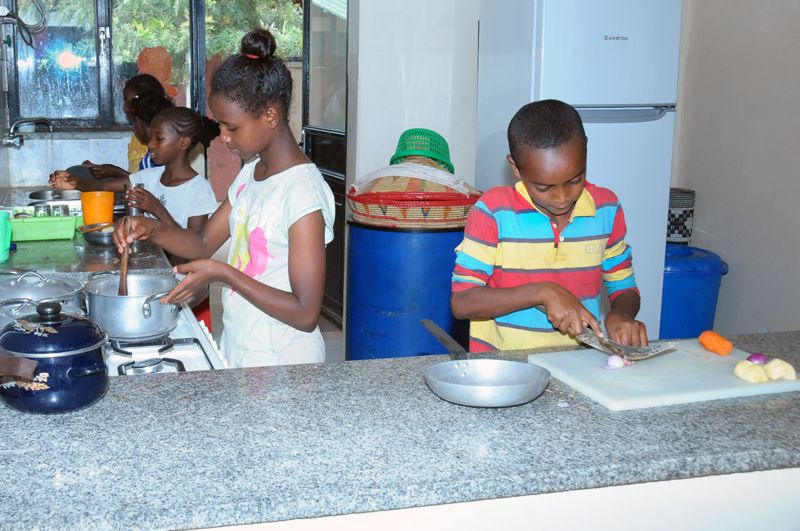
[
  {"x": 76, "y": 258},
  {"x": 239, "y": 446}
]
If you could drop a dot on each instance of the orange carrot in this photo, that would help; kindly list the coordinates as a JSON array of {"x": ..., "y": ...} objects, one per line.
[{"x": 715, "y": 342}]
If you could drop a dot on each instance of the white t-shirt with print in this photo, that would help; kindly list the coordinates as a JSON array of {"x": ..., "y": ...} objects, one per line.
[
  {"x": 261, "y": 214},
  {"x": 192, "y": 198}
]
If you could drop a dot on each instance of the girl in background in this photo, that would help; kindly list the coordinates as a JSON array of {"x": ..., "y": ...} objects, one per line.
[
  {"x": 134, "y": 88},
  {"x": 141, "y": 111},
  {"x": 279, "y": 213},
  {"x": 173, "y": 192}
]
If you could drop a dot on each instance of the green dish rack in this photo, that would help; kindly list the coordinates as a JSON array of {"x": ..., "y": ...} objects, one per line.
[{"x": 43, "y": 228}]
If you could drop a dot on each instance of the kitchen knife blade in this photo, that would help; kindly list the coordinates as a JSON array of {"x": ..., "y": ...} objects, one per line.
[{"x": 627, "y": 352}]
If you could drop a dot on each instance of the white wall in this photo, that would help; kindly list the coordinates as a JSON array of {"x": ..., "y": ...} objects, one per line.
[
  {"x": 43, "y": 153},
  {"x": 738, "y": 147},
  {"x": 411, "y": 64}
]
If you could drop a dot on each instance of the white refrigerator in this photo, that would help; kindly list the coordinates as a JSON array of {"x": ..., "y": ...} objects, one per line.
[{"x": 616, "y": 61}]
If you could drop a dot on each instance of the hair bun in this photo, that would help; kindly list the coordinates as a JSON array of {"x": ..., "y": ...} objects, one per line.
[
  {"x": 210, "y": 130},
  {"x": 259, "y": 43}
]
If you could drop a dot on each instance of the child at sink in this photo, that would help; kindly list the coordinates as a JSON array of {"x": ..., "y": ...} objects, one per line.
[
  {"x": 172, "y": 191},
  {"x": 552, "y": 240},
  {"x": 142, "y": 91},
  {"x": 278, "y": 214}
]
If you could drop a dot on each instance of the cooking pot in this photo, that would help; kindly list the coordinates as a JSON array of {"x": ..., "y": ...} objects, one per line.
[
  {"x": 138, "y": 315},
  {"x": 55, "y": 195},
  {"x": 20, "y": 294},
  {"x": 69, "y": 351}
]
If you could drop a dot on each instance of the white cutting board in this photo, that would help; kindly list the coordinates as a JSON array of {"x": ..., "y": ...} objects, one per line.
[{"x": 688, "y": 374}]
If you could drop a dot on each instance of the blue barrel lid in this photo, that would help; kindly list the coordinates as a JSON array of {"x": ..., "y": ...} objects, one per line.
[{"x": 687, "y": 259}]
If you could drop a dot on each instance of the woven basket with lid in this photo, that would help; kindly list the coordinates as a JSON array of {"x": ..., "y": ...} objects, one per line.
[{"x": 412, "y": 202}]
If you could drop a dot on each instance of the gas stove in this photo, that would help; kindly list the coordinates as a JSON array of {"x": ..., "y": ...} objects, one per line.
[{"x": 188, "y": 347}]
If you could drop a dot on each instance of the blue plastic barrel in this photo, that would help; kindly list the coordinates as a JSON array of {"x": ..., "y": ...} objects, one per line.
[
  {"x": 395, "y": 277},
  {"x": 692, "y": 277}
]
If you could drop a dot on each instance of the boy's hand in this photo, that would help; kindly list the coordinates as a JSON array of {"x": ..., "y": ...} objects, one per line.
[
  {"x": 566, "y": 312},
  {"x": 63, "y": 180},
  {"x": 103, "y": 171},
  {"x": 622, "y": 329}
]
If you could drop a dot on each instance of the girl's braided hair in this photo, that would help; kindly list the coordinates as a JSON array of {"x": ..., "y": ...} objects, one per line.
[{"x": 189, "y": 123}]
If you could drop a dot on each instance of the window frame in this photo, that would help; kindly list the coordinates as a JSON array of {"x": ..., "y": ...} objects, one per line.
[{"x": 104, "y": 42}]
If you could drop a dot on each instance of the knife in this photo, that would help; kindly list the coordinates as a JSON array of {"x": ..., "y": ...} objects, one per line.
[{"x": 626, "y": 352}]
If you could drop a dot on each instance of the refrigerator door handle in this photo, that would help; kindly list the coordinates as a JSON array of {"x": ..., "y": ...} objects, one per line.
[{"x": 606, "y": 115}]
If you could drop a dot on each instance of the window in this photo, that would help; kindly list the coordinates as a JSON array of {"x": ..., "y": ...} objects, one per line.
[
  {"x": 56, "y": 67},
  {"x": 327, "y": 64},
  {"x": 68, "y": 59}
]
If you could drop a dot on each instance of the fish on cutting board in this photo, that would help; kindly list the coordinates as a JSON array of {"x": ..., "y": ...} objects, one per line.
[{"x": 688, "y": 374}]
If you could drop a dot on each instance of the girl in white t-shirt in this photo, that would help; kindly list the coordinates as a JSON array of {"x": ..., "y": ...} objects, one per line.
[
  {"x": 278, "y": 213},
  {"x": 172, "y": 192}
]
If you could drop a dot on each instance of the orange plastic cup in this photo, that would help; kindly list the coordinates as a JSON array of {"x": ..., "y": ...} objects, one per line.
[{"x": 98, "y": 207}]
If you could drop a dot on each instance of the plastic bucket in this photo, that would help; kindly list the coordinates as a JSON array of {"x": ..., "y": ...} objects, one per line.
[
  {"x": 423, "y": 143},
  {"x": 395, "y": 278},
  {"x": 692, "y": 278},
  {"x": 98, "y": 207}
]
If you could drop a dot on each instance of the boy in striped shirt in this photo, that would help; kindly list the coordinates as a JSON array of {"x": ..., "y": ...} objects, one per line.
[{"x": 552, "y": 240}]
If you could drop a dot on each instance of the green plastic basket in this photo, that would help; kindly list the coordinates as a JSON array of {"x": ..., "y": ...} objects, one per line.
[
  {"x": 43, "y": 228},
  {"x": 425, "y": 143}
]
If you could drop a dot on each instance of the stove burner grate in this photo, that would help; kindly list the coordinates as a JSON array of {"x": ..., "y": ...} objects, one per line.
[
  {"x": 149, "y": 366},
  {"x": 157, "y": 363},
  {"x": 164, "y": 344}
]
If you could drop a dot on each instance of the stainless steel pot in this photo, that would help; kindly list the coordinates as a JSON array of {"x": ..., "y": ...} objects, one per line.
[
  {"x": 21, "y": 293},
  {"x": 138, "y": 315},
  {"x": 55, "y": 195}
]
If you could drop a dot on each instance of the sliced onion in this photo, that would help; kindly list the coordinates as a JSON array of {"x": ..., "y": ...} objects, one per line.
[
  {"x": 758, "y": 358},
  {"x": 614, "y": 362}
]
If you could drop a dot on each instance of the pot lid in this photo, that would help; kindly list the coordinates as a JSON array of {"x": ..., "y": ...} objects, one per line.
[
  {"x": 33, "y": 285},
  {"x": 49, "y": 333}
]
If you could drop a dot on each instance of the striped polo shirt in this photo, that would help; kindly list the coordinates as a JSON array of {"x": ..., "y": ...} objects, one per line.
[{"x": 508, "y": 242}]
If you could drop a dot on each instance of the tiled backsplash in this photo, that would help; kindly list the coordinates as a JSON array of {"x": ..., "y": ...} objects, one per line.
[{"x": 42, "y": 153}]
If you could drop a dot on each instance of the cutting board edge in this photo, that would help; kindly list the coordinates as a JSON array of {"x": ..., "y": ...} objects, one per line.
[
  {"x": 598, "y": 391},
  {"x": 687, "y": 399}
]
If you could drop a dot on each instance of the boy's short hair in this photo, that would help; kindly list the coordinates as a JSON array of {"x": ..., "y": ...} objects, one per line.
[{"x": 543, "y": 124}]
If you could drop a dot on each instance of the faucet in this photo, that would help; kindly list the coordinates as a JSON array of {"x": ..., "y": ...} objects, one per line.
[{"x": 12, "y": 139}]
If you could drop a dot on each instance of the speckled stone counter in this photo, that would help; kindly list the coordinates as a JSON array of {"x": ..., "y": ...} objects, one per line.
[
  {"x": 252, "y": 445},
  {"x": 74, "y": 258},
  {"x": 77, "y": 258}
]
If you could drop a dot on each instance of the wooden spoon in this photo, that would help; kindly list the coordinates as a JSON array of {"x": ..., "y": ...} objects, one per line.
[
  {"x": 123, "y": 268},
  {"x": 96, "y": 227}
]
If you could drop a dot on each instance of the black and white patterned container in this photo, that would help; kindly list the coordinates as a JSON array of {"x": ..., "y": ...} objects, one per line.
[{"x": 681, "y": 215}]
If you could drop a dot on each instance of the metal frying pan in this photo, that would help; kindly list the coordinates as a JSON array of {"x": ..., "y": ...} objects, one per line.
[{"x": 482, "y": 382}]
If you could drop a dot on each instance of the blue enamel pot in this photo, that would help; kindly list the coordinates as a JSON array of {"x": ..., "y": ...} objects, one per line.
[{"x": 71, "y": 371}]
